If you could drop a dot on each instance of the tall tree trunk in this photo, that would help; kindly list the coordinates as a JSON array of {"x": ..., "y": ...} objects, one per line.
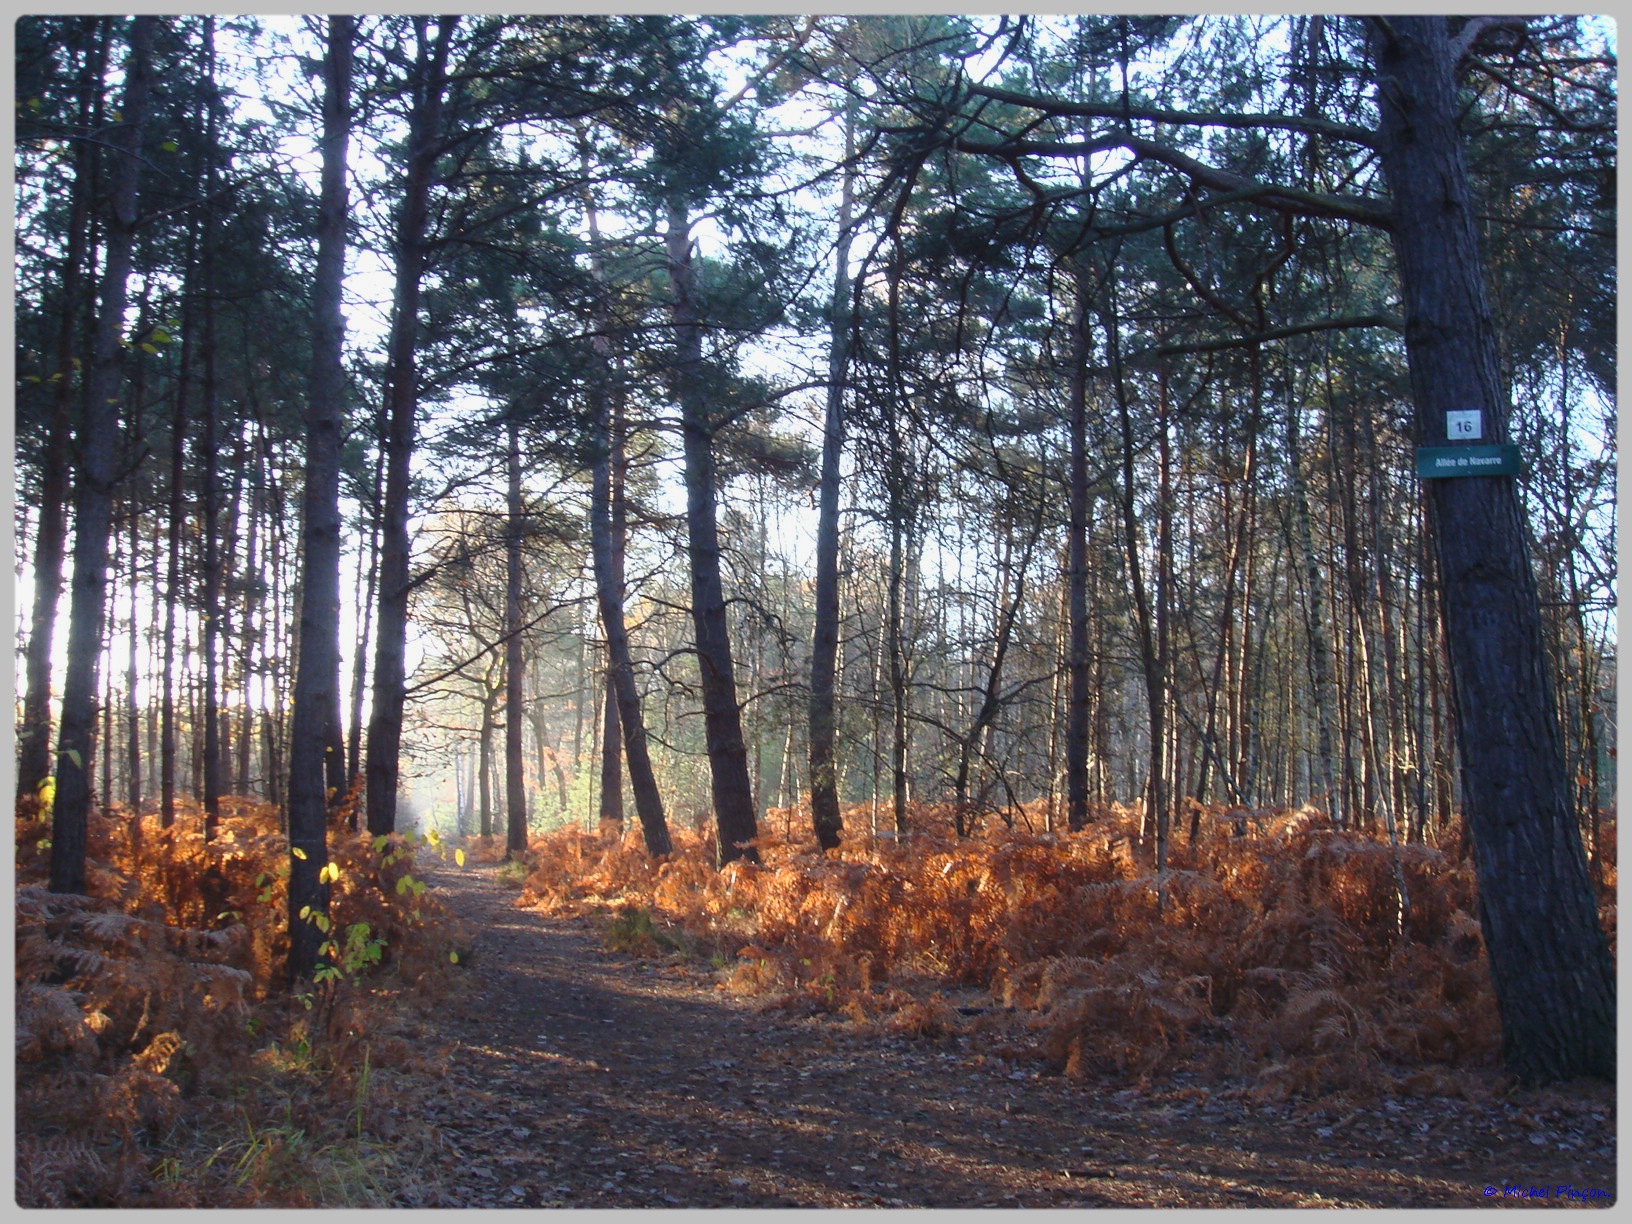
[
  {"x": 611, "y": 814},
  {"x": 733, "y": 797},
  {"x": 34, "y": 732},
  {"x": 515, "y": 787},
  {"x": 1151, "y": 660},
  {"x": 317, "y": 668},
  {"x": 824, "y": 784},
  {"x": 900, "y": 693},
  {"x": 401, "y": 396},
  {"x": 1549, "y": 960},
  {"x": 93, "y": 496},
  {"x": 252, "y": 541},
  {"x": 484, "y": 760},
  {"x": 168, "y": 677},
  {"x": 1320, "y": 655},
  {"x": 133, "y": 731},
  {"x": 1081, "y": 509},
  {"x": 359, "y": 660},
  {"x": 625, "y": 726},
  {"x": 209, "y": 508}
]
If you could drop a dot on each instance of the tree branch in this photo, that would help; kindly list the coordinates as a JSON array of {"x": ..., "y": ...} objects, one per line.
[{"x": 1310, "y": 125}]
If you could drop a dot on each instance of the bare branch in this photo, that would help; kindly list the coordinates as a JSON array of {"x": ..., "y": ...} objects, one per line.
[{"x": 1462, "y": 46}]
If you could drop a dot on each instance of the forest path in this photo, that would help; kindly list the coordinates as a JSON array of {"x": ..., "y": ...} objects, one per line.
[{"x": 584, "y": 1077}]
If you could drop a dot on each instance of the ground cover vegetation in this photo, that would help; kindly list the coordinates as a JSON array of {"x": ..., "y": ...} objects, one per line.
[
  {"x": 949, "y": 481},
  {"x": 161, "y": 1059},
  {"x": 1282, "y": 957}
]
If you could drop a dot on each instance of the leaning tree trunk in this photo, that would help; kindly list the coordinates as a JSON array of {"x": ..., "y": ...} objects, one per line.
[
  {"x": 317, "y": 667},
  {"x": 93, "y": 496},
  {"x": 1549, "y": 960},
  {"x": 623, "y": 698},
  {"x": 390, "y": 647},
  {"x": 624, "y": 725},
  {"x": 722, "y": 718}
]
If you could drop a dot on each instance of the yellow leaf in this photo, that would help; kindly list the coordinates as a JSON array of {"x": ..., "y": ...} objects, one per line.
[
  {"x": 454, "y": 957},
  {"x": 297, "y": 852},
  {"x": 459, "y": 857}
]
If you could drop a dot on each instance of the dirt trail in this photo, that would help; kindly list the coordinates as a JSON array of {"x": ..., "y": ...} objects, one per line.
[{"x": 583, "y": 1077}]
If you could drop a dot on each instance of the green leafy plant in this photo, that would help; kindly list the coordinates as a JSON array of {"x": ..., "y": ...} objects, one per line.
[{"x": 512, "y": 873}]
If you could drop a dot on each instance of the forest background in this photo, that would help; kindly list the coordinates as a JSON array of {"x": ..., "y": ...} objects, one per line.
[{"x": 821, "y": 426}]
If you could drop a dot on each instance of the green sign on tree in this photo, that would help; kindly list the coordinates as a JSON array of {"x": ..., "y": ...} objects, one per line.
[{"x": 1434, "y": 462}]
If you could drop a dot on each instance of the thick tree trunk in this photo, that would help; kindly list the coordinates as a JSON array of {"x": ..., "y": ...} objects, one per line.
[
  {"x": 1549, "y": 960},
  {"x": 722, "y": 718},
  {"x": 824, "y": 785},
  {"x": 401, "y": 396},
  {"x": 611, "y": 813},
  {"x": 515, "y": 787},
  {"x": 34, "y": 731},
  {"x": 317, "y": 667},
  {"x": 93, "y": 498}
]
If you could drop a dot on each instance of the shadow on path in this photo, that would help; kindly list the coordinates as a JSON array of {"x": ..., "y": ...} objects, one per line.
[{"x": 582, "y": 1077}]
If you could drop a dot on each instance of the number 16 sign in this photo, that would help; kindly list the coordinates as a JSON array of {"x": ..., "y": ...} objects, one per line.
[{"x": 1464, "y": 425}]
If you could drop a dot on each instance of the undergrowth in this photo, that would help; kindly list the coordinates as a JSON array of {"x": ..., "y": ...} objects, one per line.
[
  {"x": 1279, "y": 957},
  {"x": 162, "y": 1060}
]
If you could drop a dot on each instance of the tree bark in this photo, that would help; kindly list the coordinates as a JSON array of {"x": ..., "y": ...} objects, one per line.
[
  {"x": 93, "y": 497},
  {"x": 824, "y": 786},
  {"x": 1320, "y": 655},
  {"x": 1152, "y": 662},
  {"x": 34, "y": 731},
  {"x": 611, "y": 753},
  {"x": 317, "y": 667},
  {"x": 209, "y": 492},
  {"x": 1549, "y": 960},
  {"x": 733, "y": 797},
  {"x": 515, "y": 788},
  {"x": 359, "y": 661},
  {"x": 484, "y": 759},
  {"x": 1081, "y": 507},
  {"x": 625, "y": 726},
  {"x": 401, "y": 396}
]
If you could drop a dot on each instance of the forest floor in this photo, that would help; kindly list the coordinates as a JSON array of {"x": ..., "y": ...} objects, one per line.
[{"x": 581, "y": 1076}]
